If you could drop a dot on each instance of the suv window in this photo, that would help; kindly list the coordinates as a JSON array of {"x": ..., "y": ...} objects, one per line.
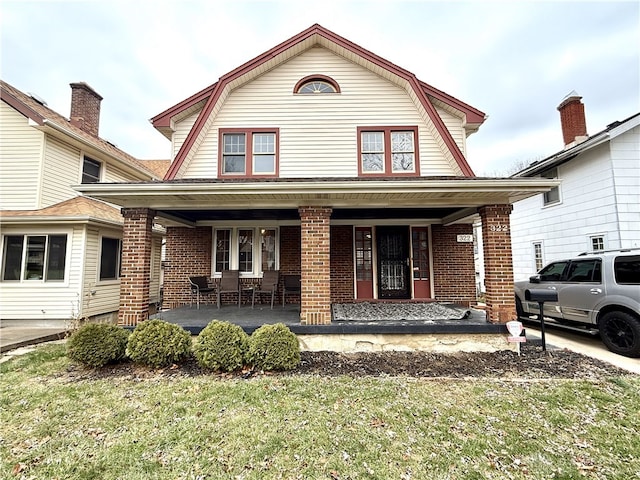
[
  {"x": 627, "y": 270},
  {"x": 585, "y": 271},
  {"x": 552, "y": 272}
]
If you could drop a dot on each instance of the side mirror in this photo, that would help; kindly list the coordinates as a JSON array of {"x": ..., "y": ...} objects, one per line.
[{"x": 534, "y": 279}]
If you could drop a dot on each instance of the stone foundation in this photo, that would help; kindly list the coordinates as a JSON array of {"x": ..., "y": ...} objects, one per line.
[{"x": 435, "y": 343}]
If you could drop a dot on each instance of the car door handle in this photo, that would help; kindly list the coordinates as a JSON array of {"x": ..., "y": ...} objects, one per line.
[{"x": 595, "y": 291}]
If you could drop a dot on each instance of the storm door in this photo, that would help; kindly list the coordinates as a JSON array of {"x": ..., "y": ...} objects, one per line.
[{"x": 393, "y": 262}]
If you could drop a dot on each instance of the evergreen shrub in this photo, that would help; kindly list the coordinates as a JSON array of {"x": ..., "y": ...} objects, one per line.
[
  {"x": 157, "y": 343},
  {"x": 274, "y": 347},
  {"x": 221, "y": 346},
  {"x": 97, "y": 344}
]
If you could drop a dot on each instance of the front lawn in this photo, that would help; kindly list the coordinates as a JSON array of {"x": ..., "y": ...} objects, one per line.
[{"x": 291, "y": 426}]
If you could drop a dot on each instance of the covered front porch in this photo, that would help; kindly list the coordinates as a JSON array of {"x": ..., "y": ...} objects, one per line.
[{"x": 337, "y": 234}]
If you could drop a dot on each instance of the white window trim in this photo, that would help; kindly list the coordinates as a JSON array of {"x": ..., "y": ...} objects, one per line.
[
  {"x": 597, "y": 235},
  {"x": 102, "y": 167},
  {"x": 234, "y": 263},
  {"x": 109, "y": 281},
  {"x": 533, "y": 256},
  {"x": 40, "y": 283}
]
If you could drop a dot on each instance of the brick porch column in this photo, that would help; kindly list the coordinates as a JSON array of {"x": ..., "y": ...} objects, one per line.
[
  {"x": 498, "y": 262},
  {"x": 315, "y": 263},
  {"x": 135, "y": 266}
]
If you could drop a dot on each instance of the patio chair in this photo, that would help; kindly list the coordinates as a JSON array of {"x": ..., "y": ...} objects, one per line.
[
  {"x": 229, "y": 283},
  {"x": 291, "y": 284},
  {"x": 199, "y": 287},
  {"x": 268, "y": 285}
]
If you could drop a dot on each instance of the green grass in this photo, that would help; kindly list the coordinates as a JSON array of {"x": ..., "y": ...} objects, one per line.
[{"x": 290, "y": 427}]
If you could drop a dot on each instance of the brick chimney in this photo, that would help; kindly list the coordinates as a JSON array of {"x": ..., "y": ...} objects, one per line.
[
  {"x": 572, "y": 119},
  {"x": 85, "y": 108}
]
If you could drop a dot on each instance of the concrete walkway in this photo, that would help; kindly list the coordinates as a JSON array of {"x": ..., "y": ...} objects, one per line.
[{"x": 16, "y": 337}]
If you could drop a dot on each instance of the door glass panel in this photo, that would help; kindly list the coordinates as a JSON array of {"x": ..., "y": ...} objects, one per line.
[
  {"x": 420, "y": 254},
  {"x": 364, "y": 263}
]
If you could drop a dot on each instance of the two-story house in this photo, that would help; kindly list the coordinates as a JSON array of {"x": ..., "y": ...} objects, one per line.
[
  {"x": 321, "y": 158},
  {"x": 61, "y": 252},
  {"x": 597, "y": 205}
]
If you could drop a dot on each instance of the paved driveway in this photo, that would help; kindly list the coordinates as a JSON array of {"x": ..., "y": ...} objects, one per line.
[{"x": 583, "y": 343}]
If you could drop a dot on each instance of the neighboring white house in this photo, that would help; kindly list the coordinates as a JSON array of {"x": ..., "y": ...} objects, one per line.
[
  {"x": 597, "y": 205},
  {"x": 60, "y": 252}
]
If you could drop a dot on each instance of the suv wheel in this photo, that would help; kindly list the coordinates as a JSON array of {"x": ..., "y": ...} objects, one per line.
[{"x": 620, "y": 332}]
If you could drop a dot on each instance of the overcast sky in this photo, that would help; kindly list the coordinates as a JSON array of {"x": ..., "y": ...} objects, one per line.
[{"x": 513, "y": 60}]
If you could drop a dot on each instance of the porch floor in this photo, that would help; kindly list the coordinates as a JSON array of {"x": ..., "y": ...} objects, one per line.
[{"x": 362, "y": 318}]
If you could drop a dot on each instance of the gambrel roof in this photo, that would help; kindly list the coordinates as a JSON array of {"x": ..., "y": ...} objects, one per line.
[{"x": 209, "y": 100}]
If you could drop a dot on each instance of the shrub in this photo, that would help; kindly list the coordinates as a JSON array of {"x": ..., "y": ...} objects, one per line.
[
  {"x": 221, "y": 346},
  {"x": 97, "y": 344},
  {"x": 274, "y": 347},
  {"x": 157, "y": 343}
]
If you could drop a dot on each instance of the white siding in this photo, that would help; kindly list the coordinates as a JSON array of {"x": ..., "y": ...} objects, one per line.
[
  {"x": 99, "y": 296},
  {"x": 625, "y": 160},
  {"x": 599, "y": 197},
  {"x": 62, "y": 168},
  {"x": 20, "y": 160},
  {"x": 318, "y": 134},
  {"x": 38, "y": 300}
]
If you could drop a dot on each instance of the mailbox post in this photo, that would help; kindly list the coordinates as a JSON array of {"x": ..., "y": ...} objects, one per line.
[{"x": 541, "y": 296}]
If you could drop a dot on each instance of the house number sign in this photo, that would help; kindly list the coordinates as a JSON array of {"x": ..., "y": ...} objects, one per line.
[
  {"x": 499, "y": 228},
  {"x": 465, "y": 238}
]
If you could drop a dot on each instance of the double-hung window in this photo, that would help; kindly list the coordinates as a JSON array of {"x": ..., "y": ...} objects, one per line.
[
  {"x": 389, "y": 151},
  {"x": 552, "y": 196},
  {"x": 248, "y": 153},
  {"x": 34, "y": 257},
  {"x": 250, "y": 250},
  {"x": 110, "y": 258},
  {"x": 91, "y": 170}
]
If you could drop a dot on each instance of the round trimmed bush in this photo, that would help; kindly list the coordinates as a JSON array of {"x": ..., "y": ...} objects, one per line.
[
  {"x": 221, "y": 346},
  {"x": 274, "y": 347},
  {"x": 97, "y": 344},
  {"x": 157, "y": 343}
]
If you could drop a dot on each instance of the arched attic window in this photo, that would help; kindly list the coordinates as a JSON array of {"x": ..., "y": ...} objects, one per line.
[{"x": 316, "y": 84}]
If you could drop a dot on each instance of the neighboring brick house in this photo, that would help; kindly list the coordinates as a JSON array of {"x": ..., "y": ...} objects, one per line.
[
  {"x": 321, "y": 158},
  {"x": 597, "y": 205},
  {"x": 60, "y": 252}
]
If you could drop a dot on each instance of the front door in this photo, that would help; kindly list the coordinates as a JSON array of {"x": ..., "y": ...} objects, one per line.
[{"x": 393, "y": 262}]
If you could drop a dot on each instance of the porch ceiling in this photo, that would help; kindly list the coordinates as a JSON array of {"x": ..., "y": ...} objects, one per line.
[
  {"x": 440, "y": 196},
  {"x": 291, "y": 214}
]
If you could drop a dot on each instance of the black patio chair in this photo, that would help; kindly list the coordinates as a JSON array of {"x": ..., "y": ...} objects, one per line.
[
  {"x": 229, "y": 283},
  {"x": 199, "y": 287},
  {"x": 291, "y": 284},
  {"x": 268, "y": 285}
]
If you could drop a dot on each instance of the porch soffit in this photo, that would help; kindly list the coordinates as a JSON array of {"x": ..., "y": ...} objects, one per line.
[{"x": 337, "y": 193}]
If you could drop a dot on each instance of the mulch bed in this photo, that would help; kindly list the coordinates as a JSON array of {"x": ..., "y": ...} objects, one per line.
[{"x": 532, "y": 363}]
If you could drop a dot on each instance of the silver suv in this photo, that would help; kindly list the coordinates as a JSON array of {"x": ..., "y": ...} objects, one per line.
[{"x": 597, "y": 289}]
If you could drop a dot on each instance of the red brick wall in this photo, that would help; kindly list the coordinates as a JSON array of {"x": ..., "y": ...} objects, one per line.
[
  {"x": 289, "y": 257},
  {"x": 135, "y": 277},
  {"x": 188, "y": 252},
  {"x": 315, "y": 263},
  {"x": 498, "y": 263},
  {"x": 342, "y": 264},
  {"x": 454, "y": 273}
]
